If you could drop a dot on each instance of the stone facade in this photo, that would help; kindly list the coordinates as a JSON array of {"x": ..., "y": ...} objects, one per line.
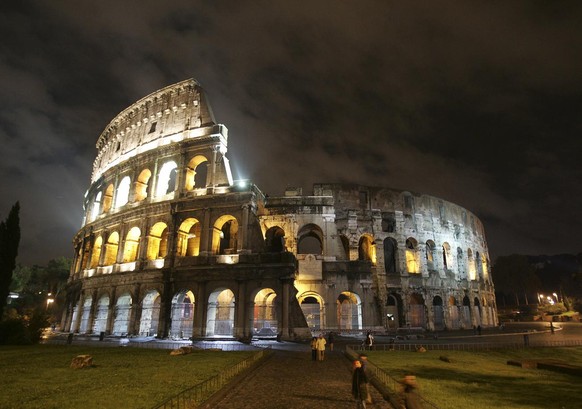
[{"x": 171, "y": 246}]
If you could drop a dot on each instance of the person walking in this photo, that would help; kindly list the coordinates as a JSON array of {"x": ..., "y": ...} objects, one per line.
[
  {"x": 364, "y": 361},
  {"x": 320, "y": 346},
  {"x": 314, "y": 349},
  {"x": 330, "y": 340},
  {"x": 410, "y": 397},
  {"x": 359, "y": 385}
]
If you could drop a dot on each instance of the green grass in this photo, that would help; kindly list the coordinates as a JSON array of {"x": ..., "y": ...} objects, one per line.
[
  {"x": 479, "y": 380},
  {"x": 130, "y": 378}
]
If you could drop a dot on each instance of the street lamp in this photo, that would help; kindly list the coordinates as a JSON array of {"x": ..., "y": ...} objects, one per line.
[{"x": 556, "y": 295}]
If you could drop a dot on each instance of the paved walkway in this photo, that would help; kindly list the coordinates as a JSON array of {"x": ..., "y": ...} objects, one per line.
[{"x": 289, "y": 379}]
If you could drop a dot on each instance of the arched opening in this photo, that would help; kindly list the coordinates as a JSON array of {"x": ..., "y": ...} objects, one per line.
[
  {"x": 95, "y": 207},
  {"x": 150, "y": 314},
  {"x": 220, "y": 321},
  {"x": 312, "y": 307},
  {"x": 111, "y": 248},
  {"x": 478, "y": 267},
  {"x": 345, "y": 242},
  {"x": 466, "y": 311},
  {"x": 349, "y": 311},
  {"x": 196, "y": 173},
  {"x": 122, "y": 313},
  {"x": 130, "y": 248},
  {"x": 485, "y": 266},
  {"x": 439, "y": 314},
  {"x": 96, "y": 252},
  {"x": 142, "y": 184},
  {"x": 108, "y": 198},
  {"x": 275, "y": 240},
  {"x": 430, "y": 255},
  {"x": 416, "y": 315},
  {"x": 454, "y": 319},
  {"x": 412, "y": 262},
  {"x": 393, "y": 311},
  {"x": 310, "y": 240},
  {"x": 477, "y": 311},
  {"x": 85, "y": 315},
  {"x": 166, "y": 179},
  {"x": 265, "y": 313},
  {"x": 225, "y": 235},
  {"x": 390, "y": 256},
  {"x": 188, "y": 243},
  {"x": 101, "y": 315},
  {"x": 367, "y": 249},
  {"x": 182, "y": 315},
  {"x": 158, "y": 241},
  {"x": 122, "y": 196}
]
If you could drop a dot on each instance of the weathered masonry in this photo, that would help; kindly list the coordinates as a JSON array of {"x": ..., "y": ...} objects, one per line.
[{"x": 171, "y": 246}]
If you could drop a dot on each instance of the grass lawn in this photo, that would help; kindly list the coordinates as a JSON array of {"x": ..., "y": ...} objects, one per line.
[
  {"x": 479, "y": 380},
  {"x": 40, "y": 376}
]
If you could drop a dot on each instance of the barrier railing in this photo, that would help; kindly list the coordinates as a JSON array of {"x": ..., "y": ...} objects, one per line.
[
  {"x": 388, "y": 382},
  {"x": 192, "y": 397}
]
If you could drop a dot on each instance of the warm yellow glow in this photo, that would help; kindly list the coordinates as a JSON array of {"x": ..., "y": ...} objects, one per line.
[
  {"x": 111, "y": 248},
  {"x": 224, "y": 236},
  {"x": 484, "y": 266},
  {"x": 96, "y": 252},
  {"x": 131, "y": 245},
  {"x": 411, "y": 261},
  {"x": 189, "y": 183},
  {"x": 158, "y": 241},
  {"x": 141, "y": 185},
  {"x": 108, "y": 198},
  {"x": 188, "y": 238}
]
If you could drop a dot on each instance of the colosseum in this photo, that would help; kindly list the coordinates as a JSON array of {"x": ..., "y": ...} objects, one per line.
[{"x": 172, "y": 247}]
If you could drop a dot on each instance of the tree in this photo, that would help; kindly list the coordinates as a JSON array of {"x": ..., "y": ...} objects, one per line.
[
  {"x": 515, "y": 275},
  {"x": 9, "y": 241}
]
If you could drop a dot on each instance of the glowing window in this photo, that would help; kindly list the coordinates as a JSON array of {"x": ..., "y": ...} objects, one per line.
[
  {"x": 166, "y": 179},
  {"x": 122, "y": 192}
]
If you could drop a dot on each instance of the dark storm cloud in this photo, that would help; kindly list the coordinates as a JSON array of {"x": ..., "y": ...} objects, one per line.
[{"x": 474, "y": 102}]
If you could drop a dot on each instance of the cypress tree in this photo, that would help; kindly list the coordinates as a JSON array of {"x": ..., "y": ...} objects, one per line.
[{"x": 9, "y": 241}]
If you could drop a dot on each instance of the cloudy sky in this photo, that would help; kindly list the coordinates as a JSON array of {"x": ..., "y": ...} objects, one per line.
[{"x": 477, "y": 102}]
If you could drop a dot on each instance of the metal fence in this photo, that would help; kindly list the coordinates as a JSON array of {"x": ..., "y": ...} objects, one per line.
[{"x": 192, "y": 397}]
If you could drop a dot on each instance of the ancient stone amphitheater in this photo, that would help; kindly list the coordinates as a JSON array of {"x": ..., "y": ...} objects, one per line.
[{"x": 171, "y": 246}]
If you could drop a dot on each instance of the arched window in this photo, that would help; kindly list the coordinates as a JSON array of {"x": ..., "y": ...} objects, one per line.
[
  {"x": 367, "y": 249},
  {"x": 108, "y": 198},
  {"x": 188, "y": 238},
  {"x": 142, "y": 184},
  {"x": 166, "y": 179},
  {"x": 412, "y": 264},
  {"x": 390, "y": 256},
  {"x": 122, "y": 192},
  {"x": 430, "y": 254},
  {"x": 196, "y": 173},
  {"x": 485, "y": 266},
  {"x": 225, "y": 235},
  {"x": 275, "y": 240},
  {"x": 158, "y": 241},
  {"x": 95, "y": 207},
  {"x": 111, "y": 248},
  {"x": 96, "y": 252},
  {"x": 131, "y": 246},
  {"x": 310, "y": 240}
]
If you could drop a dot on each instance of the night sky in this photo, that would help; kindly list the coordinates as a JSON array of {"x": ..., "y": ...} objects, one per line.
[{"x": 476, "y": 102}]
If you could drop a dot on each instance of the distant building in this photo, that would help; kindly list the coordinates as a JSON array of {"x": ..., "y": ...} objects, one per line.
[{"x": 171, "y": 246}]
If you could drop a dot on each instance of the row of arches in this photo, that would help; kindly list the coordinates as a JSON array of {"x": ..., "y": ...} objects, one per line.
[
  {"x": 160, "y": 184},
  {"x": 122, "y": 316},
  {"x": 107, "y": 248}
]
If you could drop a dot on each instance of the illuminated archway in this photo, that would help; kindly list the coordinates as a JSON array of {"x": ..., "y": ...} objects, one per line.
[
  {"x": 275, "y": 240},
  {"x": 471, "y": 265},
  {"x": 96, "y": 252},
  {"x": 158, "y": 241},
  {"x": 393, "y": 310},
  {"x": 188, "y": 238},
  {"x": 412, "y": 262},
  {"x": 95, "y": 207},
  {"x": 312, "y": 307},
  {"x": 430, "y": 249},
  {"x": 367, "y": 249},
  {"x": 220, "y": 317},
  {"x": 182, "y": 315},
  {"x": 225, "y": 235},
  {"x": 122, "y": 195},
  {"x": 122, "y": 313},
  {"x": 466, "y": 317},
  {"x": 85, "y": 315},
  {"x": 101, "y": 315},
  {"x": 310, "y": 240},
  {"x": 349, "y": 311},
  {"x": 111, "y": 248},
  {"x": 196, "y": 173},
  {"x": 166, "y": 179},
  {"x": 142, "y": 184},
  {"x": 150, "y": 313},
  {"x": 454, "y": 319},
  {"x": 264, "y": 312},
  {"x": 416, "y": 310},
  {"x": 108, "y": 198},
  {"x": 131, "y": 245}
]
